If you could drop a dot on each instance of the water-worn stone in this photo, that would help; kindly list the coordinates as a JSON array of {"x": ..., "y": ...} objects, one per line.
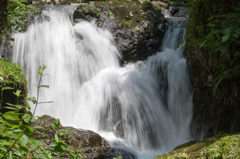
[
  {"x": 42, "y": 2},
  {"x": 92, "y": 145},
  {"x": 134, "y": 25}
]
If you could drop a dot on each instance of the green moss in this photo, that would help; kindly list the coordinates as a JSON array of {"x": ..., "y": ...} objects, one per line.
[
  {"x": 219, "y": 146},
  {"x": 131, "y": 13},
  {"x": 11, "y": 71}
]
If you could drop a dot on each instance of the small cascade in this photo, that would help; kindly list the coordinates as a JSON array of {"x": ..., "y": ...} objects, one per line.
[{"x": 145, "y": 106}]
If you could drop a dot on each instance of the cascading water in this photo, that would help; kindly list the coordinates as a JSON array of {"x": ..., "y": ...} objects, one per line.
[{"x": 147, "y": 105}]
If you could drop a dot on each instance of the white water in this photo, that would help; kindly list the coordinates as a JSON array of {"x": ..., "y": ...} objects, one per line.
[{"x": 144, "y": 107}]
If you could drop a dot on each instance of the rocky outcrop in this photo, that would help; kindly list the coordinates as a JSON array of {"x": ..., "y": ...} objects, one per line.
[
  {"x": 92, "y": 145},
  {"x": 138, "y": 27},
  {"x": 214, "y": 108},
  {"x": 43, "y": 2}
]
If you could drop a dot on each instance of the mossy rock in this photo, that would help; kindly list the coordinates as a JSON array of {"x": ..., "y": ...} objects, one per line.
[
  {"x": 11, "y": 76},
  {"x": 137, "y": 27},
  {"x": 219, "y": 146}
]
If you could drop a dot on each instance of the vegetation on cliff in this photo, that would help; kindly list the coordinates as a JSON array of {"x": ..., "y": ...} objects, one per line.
[
  {"x": 219, "y": 146},
  {"x": 12, "y": 17},
  {"x": 17, "y": 134},
  {"x": 212, "y": 48}
]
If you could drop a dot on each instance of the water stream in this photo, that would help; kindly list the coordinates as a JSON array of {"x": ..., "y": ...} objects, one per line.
[{"x": 144, "y": 107}]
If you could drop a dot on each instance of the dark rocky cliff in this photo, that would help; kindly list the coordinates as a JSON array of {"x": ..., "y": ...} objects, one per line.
[{"x": 215, "y": 108}]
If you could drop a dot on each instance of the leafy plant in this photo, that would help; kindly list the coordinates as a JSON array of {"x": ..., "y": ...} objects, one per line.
[
  {"x": 9, "y": 70},
  {"x": 17, "y": 135},
  {"x": 98, "y": 13},
  {"x": 109, "y": 14},
  {"x": 223, "y": 38},
  {"x": 127, "y": 23},
  {"x": 89, "y": 8},
  {"x": 16, "y": 16},
  {"x": 86, "y": 10}
]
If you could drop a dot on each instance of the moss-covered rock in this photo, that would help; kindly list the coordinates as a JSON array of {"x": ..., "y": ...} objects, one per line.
[
  {"x": 138, "y": 27},
  {"x": 220, "y": 146},
  {"x": 11, "y": 76}
]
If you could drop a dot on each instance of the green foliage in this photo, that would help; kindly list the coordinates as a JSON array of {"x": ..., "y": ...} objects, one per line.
[
  {"x": 98, "y": 13},
  {"x": 16, "y": 17},
  {"x": 223, "y": 37},
  {"x": 127, "y": 23},
  {"x": 226, "y": 147},
  {"x": 214, "y": 28},
  {"x": 219, "y": 146},
  {"x": 109, "y": 14},
  {"x": 86, "y": 10},
  {"x": 89, "y": 8},
  {"x": 17, "y": 134},
  {"x": 119, "y": 157},
  {"x": 9, "y": 70}
]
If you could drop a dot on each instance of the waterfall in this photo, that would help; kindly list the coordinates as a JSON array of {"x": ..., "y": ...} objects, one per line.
[{"x": 146, "y": 105}]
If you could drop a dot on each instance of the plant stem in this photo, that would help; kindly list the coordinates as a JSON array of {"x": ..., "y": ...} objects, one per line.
[{"x": 38, "y": 92}]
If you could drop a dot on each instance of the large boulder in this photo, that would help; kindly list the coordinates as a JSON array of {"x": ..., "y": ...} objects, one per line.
[
  {"x": 92, "y": 145},
  {"x": 138, "y": 27}
]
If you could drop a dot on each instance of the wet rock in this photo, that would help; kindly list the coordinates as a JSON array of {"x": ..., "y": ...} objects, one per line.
[
  {"x": 160, "y": 4},
  {"x": 138, "y": 28},
  {"x": 92, "y": 145},
  {"x": 42, "y": 2},
  {"x": 178, "y": 11}
]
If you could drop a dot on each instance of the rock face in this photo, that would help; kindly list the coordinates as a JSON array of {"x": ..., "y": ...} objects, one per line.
[
  {"x": 92, "y": 145},
  {"x": 43, "y": 2},
  {"x": 214, "y": 108},
  {"x": 138, "y": 27}
]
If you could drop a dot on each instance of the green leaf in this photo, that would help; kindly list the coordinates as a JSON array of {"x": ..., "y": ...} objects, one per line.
[
  {"x": 7, "y": 88},
  {"x": 35, "y": 143},
  {"x": 65, "y": 132},
  {"x": 3, "y": 149},
  {"x": 24, "y": 139},
  {"x": 10, "y": 154},
  {"x": 46, "y": 86},
  {"x": 56, "y": 137},
  {"x": 26, "y": 118},
  {"x": 38, "y": 127},
  {"x": 57, "y": 147},
  {"x": 52, "y": 127},
  {"x": 10, "y": 108},
  {"x": 18, "y": 92},
  {"x": 28, "y": 131},
  {"x": 41, "y": 118},
  {"x": 40, "y": 70},
  {"x": 24, "y": 149},
  {"x": 11, "y": 116},
  {"x": 236, "y": 35},
  {"x": 225, "y": 38}
]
